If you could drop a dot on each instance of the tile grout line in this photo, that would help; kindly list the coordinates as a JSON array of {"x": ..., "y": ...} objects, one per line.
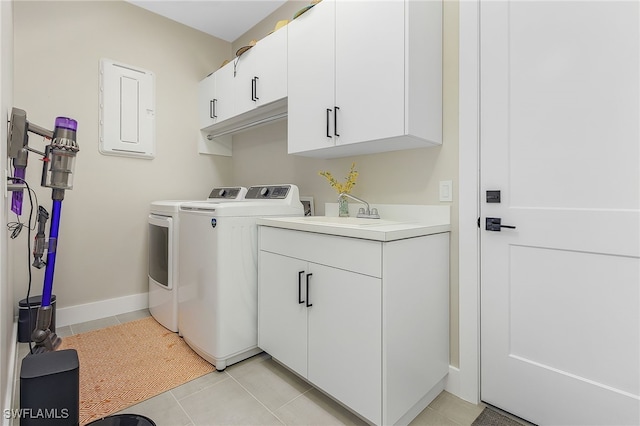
[
  {"x": 256, "y": 398},
  {"x": 200, "y": 390},
  {"x": 296, "y": 397},
  {"x": 182, "y": 408}
]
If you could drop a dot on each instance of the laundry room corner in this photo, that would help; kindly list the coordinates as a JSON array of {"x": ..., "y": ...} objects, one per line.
[{"x": 102, "y": 248}]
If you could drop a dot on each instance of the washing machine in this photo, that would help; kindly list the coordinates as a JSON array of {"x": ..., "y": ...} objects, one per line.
[
  {"x": 218, "y": 271},
  {"x": 163, "y": 253}
]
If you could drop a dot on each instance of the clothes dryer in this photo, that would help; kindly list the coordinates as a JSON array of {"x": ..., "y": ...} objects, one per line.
[
  {"x": 218, "y": 271},
  {"x": 163, "y": 253}
]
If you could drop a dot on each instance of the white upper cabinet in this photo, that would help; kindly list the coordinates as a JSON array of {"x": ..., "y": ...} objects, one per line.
[
  {"x": 215, "y": 94},
  {"x": 223, "y": 106},
  {"x": 312, "y": 79},
  {"x": 261, "y": 73},
  {"x": 250, "y": 90},
  {"x": 365, "y": 77},
  {"x": 206, "y": 101}
]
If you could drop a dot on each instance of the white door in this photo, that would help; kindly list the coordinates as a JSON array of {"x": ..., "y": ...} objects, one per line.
[{"x": 560, "y": 309}]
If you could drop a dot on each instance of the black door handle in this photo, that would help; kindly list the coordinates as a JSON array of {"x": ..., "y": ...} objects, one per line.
[
  {"x": 328, "y": 112},
  {"x": 495, "y": 224},
  {"x": 308, "y": 304},
  {"x": 300, "y": 301},
  {"x": 335, "y": 121}
]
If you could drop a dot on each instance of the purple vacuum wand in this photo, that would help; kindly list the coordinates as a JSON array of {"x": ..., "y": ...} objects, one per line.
[{"x": 57, "y": 173}]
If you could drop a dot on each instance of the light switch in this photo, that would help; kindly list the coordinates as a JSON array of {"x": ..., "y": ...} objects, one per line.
[{"x": 446, "y": 190}]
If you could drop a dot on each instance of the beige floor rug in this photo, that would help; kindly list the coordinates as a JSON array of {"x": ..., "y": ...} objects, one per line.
[{"x": 128, "y": 363}]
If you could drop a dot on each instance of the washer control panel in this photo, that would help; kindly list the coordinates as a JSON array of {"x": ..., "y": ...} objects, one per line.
[
  {"x": 228, "y": 193},
  {"x": 268, "y": 192}
]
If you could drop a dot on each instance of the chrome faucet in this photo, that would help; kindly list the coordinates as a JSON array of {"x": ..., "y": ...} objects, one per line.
[{"x": 368, "y": 213}]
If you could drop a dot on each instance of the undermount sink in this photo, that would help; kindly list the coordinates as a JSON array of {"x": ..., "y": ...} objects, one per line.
[{"x": 345, "y": 221}]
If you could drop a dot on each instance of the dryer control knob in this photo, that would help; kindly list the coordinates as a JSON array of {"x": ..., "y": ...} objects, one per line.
[
  {"x": 222, "y": 192},
  {"x": 264, "y": 192}
]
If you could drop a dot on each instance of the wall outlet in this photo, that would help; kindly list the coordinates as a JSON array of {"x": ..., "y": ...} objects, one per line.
[{"x": 446, "y": 190}]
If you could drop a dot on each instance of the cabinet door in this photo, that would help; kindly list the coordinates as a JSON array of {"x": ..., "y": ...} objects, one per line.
[
  {"x": 247, "y": 68},
  {"x": 206, "y": 94},
  {"x": 271, "y": 84},
  {"x": 370, "y": 70},
  {"x": 345, "y": 338},
  {"x": 311, "y": 79},
  {"x": 224, "y": 98},
  {"x": 261, "y": 73},
  {"x": 282, "y": 319}
]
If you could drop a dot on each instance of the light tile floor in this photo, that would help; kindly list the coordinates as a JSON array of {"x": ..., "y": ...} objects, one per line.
[{"x": 257, "y": 391}]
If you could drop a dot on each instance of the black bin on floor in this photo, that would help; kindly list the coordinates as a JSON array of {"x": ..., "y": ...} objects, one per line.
[
  {"x": 50, "y": 389},
  {"x": 30, "y": 310},
  {"x": 123, "y": 420}
]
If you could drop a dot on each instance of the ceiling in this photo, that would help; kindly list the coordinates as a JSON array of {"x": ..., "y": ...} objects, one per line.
[{"x": 225, "y": 19}]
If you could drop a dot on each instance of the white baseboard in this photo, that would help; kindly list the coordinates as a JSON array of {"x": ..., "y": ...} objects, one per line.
[
  {"x": 457, "y": 386},
  {"x": 452, "y": 385},
  {"x": 422, "y": 404},
  {"x": 102, "y": 309}
]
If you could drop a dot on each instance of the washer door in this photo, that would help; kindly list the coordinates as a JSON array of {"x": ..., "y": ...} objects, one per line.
[{"x": 160, "y": 253}]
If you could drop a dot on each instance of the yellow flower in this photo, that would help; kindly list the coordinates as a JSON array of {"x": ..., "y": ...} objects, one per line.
[{"x": 342, "y": 187}]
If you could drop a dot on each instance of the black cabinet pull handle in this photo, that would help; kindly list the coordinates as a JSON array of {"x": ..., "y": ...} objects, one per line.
[
  {"x": 300, "y": 301},
  {"x": 335, "y": 121},
  {"x": 308, "y": 304},
  {"x": 212, "y": 108},
  {"x": 328, "y": 112},
  {"x": 255, "y": 89}
]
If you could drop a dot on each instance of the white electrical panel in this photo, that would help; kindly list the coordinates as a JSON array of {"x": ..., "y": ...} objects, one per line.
[{"x": 127, "y": 110}]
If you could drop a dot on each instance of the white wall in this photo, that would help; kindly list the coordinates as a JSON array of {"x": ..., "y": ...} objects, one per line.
[
  {"x": 102, "y": 249},
  {"x": 6, "y": 289}
]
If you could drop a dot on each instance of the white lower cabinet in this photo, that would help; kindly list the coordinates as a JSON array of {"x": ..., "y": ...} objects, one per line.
[
  {"x": 325, "y": 335},
  {"x": 364, "y": 321}
]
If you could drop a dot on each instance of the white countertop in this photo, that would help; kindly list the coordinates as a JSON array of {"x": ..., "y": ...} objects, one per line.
[{"x": 369, "y": 229}]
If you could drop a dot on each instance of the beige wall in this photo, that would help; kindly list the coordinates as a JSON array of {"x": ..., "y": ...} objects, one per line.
[
  {"x": 102, "y": 250},
  {"x": 402, "y": 177}
]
